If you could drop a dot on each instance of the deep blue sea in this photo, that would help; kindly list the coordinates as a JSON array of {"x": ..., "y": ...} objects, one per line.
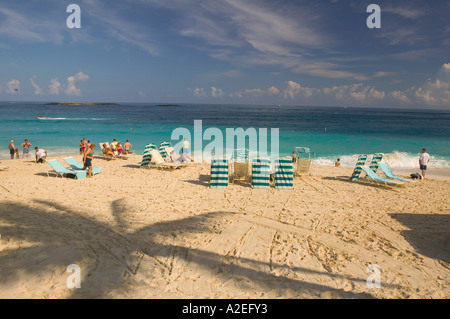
[{"x": 329, "y": 132}]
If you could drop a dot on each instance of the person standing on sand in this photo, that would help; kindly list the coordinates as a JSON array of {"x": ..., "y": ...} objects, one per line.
[
  {"x": 87, "y": 159},
  {"x": 424, "y": 159},
  {"x": 26, "y": 149},
  {"x": 83, "y": 146},
  {"x": 294, "y": 158},
  {"x": 185, "y": 148},
  {"x": 12, "y": 149}
]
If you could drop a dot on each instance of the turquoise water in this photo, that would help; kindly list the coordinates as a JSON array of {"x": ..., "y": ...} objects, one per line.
[{"x": 330, "y": 132}]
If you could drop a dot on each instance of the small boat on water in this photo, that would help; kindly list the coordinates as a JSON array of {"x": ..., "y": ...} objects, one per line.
[{"x": 39, "y": 117}]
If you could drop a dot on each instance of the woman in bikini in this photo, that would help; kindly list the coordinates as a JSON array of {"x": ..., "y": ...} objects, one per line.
[{"x": 87, "y": 159}]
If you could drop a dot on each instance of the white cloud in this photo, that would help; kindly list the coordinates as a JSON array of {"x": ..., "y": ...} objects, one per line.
[
  {"x": 13, "y": 86},
  {"x": 34, "y": 28},
  {"x": 37, "y": 89},
  {"x": 199, "y": 92},
  {"x": 71, "y": 89},
  {"x": 54, "y": 86},
  {"x": 434, "y": 92},
  {"x": 215, "y": 92}
]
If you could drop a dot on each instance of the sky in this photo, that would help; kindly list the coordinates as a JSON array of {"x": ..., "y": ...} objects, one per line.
[{"x": 303, "y": 52}]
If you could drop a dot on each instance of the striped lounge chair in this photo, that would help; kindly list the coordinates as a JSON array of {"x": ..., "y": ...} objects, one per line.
[
  {"x": 376, "y": 160},
  {"x": 284, "y": 173},
  {"x": 219, "y": 173},
  {"x": 146, "y": 159},
  {"x": 260, "y": 172},
  {"x": 361, "y": 162}
]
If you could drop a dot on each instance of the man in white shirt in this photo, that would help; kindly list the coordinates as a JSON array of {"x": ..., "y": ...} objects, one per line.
[
  {"x": 424, "y": 159},
  {"x": 41, "y": 155}
]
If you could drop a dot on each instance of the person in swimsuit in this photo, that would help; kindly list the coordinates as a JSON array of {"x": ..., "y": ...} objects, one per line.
[
  {"x": 87, "y": 159},
  {"x": 120, "y": 149},
  {"x": 12, "y": 149},
  {"x": 106, "y": 150},
  {"x": 83, "y": 146},
  {"x": 26, "y": 149},
  {"x": 127, "y": 146}
]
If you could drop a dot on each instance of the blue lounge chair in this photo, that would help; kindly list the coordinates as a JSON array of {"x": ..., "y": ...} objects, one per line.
[
  {"x": 62, "y": 171},
  {"x": 362, "y": 159},
  {"x": 284, "y": 173},
  {"x": 371, "y": 175},
  {"x": 219, "y": 173},
  {"x": 390, "y": 174},
  {"x": 260, "y": 172},
  {"x": 77, "y": 166}
]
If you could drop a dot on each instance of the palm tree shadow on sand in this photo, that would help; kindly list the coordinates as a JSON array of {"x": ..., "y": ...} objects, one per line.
[{"x": 111, "y": 255}]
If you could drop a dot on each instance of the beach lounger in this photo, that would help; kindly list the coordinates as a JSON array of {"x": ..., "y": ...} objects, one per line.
[
  {"x": 389, "y": 174},
  {"x": 158, "y": 162},
  {"x": 165, "y": 148},
  {"x": 374, "y": 177},
  {"x": 146, "y": 159},
  {"x": 376, "y": 160},
  {"x": 284, "y": 173},
  {"x": 362, "y": 159},
  {"x": 303, "y": 165},
  {"x": 260, "y": 173},
  {"x": 219, "y": 173},
  {"x": 241, "y": 172},
  {"x": 77, "y": 166},
  {"x": 62, "y": 171}
]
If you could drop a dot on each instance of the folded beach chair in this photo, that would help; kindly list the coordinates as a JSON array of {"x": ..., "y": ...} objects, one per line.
[
  {"x": 219, "y": 173},
  {"x": 261, "y": 172},
  {"x": 146, "y": 159},
  {"x": 389, "y": 174},
  {"x": 376, "y": 160},
  {"x": 77, "y": 166},
  {"x": 62, "y": 171},
  {"x": 284, "y": 173},
  {"x": 374, "y": 177},
  {"x": 358, "y": 167}
]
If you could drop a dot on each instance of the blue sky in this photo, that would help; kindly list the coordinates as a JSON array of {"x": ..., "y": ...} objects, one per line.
[{"x": 227, "y": 51}]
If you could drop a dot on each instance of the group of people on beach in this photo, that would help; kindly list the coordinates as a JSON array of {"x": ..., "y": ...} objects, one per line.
[{"x": 40, "y": 154}]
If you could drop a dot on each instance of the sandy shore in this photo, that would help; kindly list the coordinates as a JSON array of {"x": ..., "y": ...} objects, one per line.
[{"x": 138, "y": 233}]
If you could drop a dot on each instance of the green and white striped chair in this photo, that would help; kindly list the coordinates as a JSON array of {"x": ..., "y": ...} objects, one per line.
[
  {"x": 219, "y": 173},
  {"x": 375, "y": 164},
  {"x": 146, "y": 159},
  {"x": 165, "y": 149},
  {"x": 261, "y": 172},
  {"x": 360, "y": 163},
  {"x": 284, "y": 173}
]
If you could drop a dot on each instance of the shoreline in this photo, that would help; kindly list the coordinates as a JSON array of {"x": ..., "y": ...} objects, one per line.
[{"x": 432, "y": 173}]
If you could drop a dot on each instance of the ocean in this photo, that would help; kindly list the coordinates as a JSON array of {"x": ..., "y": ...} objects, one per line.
[{"x": 329, "y": 132}]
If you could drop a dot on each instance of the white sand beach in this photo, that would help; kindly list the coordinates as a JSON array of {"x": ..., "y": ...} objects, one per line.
[{"x": 147, "y": 233}]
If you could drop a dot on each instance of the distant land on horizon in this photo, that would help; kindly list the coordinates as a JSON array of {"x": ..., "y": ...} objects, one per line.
[{"x": 80, "y": 103}]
